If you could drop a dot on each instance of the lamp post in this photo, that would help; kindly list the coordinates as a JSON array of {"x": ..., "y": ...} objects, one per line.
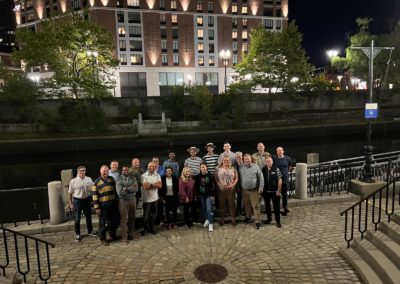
[
  {"x": 225, "y": 55},
  {"x": 93, "y": 57},
  {"x": 332, "y": 53}
]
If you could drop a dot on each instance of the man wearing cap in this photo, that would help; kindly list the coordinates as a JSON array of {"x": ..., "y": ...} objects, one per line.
[
  {"x": 80, "y": 200},
  {"x": 211, "y": 159},
  {"x": 227, "y": 152},
  {"x": 172, "y": 163},
  {"x": 193, "y": 162},
  {"x": 260, "y": 156}
]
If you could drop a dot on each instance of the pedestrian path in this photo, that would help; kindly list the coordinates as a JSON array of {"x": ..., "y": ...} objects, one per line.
[{"x": 303, "y": 251}]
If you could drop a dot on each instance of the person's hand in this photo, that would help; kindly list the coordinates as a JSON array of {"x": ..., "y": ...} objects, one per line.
[
  {"x": 71, "y": 205},
  {"x": 260, "y": 191},
  {"x": 278, "y": 193},
  {"x": 187, "y": 200}
]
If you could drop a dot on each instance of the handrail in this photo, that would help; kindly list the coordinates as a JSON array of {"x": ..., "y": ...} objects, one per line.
[{"x": 24, "y": 273}]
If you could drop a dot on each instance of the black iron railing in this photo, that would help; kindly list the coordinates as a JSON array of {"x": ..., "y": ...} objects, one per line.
[
  {"x": 24, "y": 263},
  {"x": 371, "y": 207}
]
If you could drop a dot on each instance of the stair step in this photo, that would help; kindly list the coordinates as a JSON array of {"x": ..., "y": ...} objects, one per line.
[
  {"x": 391, "y": 229},
  {"x": 386, "y": 244},
  {"x": 396, "y": 217},
  {"x": 383, "y": 266},
  {"x": 367, "y": 274}
]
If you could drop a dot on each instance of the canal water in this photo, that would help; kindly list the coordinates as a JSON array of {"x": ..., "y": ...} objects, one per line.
[{"x": 31, "y": 170}]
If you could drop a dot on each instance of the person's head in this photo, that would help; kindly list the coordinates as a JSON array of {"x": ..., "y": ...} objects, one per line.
[
  {"x": 171, "y": 155},
  {"x": 186, "y": 172},
  {"x": 125, "y": 170},
  {"x": 226, "y": 162},
  {"x": 247, "y": 159},
  {"x": 210, "y": 148},
  {"x": 81, "y": 171},
  {"x": 151, "y": 167},
  {"x": 260, "y": 147},
  {"x": 156, "y": 161},
  {"x": 169, "y": 171},
  {"x": 193, "y": 151},
  {"x": 203, "y": 168},
  {"x": 114, "y": 165},
  {"x": 269, "y": 162},
  {"x": 135, "y": 163},
  {"x": 104, "y": 171},
  {"x": 239, "y": 156},
  {"x": 280, "y": 151},
  {"x": 227, "y": 147}
]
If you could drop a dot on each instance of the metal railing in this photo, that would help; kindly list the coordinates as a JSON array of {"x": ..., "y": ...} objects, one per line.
[
  {"x": 24, "y": 266},
  {"x": 386, "y": 195}
]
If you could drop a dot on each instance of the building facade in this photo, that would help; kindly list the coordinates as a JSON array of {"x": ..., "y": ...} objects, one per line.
[{"x": 162, "y": 43}]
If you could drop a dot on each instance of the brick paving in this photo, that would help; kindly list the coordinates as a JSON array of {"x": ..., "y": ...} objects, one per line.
[{"x": 303, "y": 251}]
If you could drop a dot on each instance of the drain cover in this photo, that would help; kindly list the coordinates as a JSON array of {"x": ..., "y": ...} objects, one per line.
[{"x": 211, "y": 273}]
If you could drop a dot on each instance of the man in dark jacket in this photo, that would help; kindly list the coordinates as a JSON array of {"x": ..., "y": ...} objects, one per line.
[
  {"x": 272, "y": 190},
  {"x": 205, "y": 189}
]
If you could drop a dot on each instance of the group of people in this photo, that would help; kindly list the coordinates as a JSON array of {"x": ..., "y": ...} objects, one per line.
[{"x": 227, "y": 181}]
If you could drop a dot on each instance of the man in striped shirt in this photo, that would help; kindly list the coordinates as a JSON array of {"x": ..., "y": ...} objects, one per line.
[
  {"x": 105, "y": 203},
  {"x": 211, "y": 159},
  {"x": 193, "y": 162}
]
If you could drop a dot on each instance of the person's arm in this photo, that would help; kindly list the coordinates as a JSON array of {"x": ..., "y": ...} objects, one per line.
[
  {"x": 261, "y": 179},
  {"x": 158, "y": 183},
  {"x": 121, "y": 190},
  {"x": 235, "y": 180},
  {"x": 182, "y": 191},
  {"x": 95, "y": 197},
  {"x": 219, "y": 184},
  {"x": 145, "y": 184},
  {"x": 278, "y": 172},
  {"x": 133, "y": 188},
  {"x": 71, "y": 203}
]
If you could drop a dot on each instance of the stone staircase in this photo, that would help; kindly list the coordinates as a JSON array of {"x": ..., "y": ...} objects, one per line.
[{"x": 377, "y": 257}]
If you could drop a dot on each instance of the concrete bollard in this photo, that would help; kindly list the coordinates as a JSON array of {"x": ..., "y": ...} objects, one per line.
[
  {"x": 301, "y": 181},
  {"x": 66, "y": 176},
  {"x": 140, "y": 118},
  {"x": 56, "y": 207},
  {"x": 163, "y": 117},
  {"x": 312, "y": 159}
]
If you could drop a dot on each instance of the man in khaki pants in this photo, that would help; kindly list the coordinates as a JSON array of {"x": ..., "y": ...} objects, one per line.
[
  {"x": 252, "y": 184},
  {"x": 127, "y": 187}
]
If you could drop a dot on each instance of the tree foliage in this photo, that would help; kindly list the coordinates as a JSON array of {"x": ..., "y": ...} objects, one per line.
[{"x": 63, "y": 44}]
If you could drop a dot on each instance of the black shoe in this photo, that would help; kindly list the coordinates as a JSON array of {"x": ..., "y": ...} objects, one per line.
[
  {"x": 287, "y": 210},
  {"x": 153, "y": 232},
  {"x": 130, "y": 238},
  {"x": 279, "y": 225},
  {"x": 143, "y": 232},
  {"x": 284, "y": 213},
  {"x": 268, "y": 221},
  {"x": 247, "y": 220},
  {"x": 258, "y": 225}
]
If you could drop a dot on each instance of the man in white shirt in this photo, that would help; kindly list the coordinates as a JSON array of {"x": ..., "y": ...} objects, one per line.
[
  {"x": 151, "y": 182},
  {"x": 80, "y": 200}
]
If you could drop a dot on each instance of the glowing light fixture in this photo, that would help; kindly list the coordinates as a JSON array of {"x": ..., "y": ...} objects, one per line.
[
  {"x": 63, "y": 4},
  {"x": 285, "y": 8},
  {"x": 104, "y": 2},
  {"x": 150, "y": 4},
  {"x": 17, "y": 10},
  {"x": 185, "y": 4},
  {"x": 91, "y": 2},
  {"x": 253, "y": 6},
  {"x": 224, "y": 5},
  {"x": 332, "y": 53}
]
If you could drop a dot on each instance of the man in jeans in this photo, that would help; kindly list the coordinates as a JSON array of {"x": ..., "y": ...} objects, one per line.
[
  {"x": 127, "y": 188},
  {"x": 80, "y": 200},
  {"x": 252, "y": 184},
  {"x": 151, "y": 183}
]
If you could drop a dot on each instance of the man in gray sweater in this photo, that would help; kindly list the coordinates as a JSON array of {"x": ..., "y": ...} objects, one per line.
[
  {"x": 252, "y": 184},
  {"x": 127, "y": 187}
]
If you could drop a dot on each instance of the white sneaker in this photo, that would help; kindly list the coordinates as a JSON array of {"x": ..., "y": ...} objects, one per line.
[
  {"x": 206, "y": 223},
  {"x": 210, "y": 228}
]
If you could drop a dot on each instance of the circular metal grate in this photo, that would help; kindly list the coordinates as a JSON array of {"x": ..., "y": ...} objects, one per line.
[{"x": 211, "y": 273}]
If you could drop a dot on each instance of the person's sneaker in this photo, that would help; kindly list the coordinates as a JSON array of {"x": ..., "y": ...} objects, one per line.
[
  {"x": 279, "y": 225},
  {"x": 143, "y": 232},
  {"x": 130, "y": 238},
  {"x": 210, "y": 228},
  {"x": 248, "y": 220},
  {"x": 287, "y": 210},
  {"x": 258, "y": 225},
  {"x": 206, "y": 223},
  {"x": 153, "y": 232},
  {"x": 93, "y": 234},
  {"x": 268, "y": 221},
  {"x": 78, "y": 238}
]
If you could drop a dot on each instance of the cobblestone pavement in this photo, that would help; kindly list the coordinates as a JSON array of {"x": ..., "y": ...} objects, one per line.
[{"x": 303, "y": 251}]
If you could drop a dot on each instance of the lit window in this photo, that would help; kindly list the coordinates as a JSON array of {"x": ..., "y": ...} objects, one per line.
[
  {"x": 122, "y": 45},
  {"x": 244, "y": 23},
  {"x": 245, "y": 47},
  {"x": 174, "y": 19},
  {"x": 200, "y": 33},
  {"x": 244, "y": 34},
  {"x": 211, "y": 61},
  {"x": 175, "y": 45},
  {"x": 199, "y": 6},
  {"x": 200, "y": 60},
  {"x": 136, "y": 59},
  {"x": 244, "y": 10},
  {"x": 234, "y": 34},
  {"x": 164, "y": 59},
  {"x": 173, "y": 5},
  {"x": 164, "y": 45},
  {"x": 199, "y": 20},
  {"x": 121, "y": 30},
  {"x": 175, "y": 59},
  {"x": 133, "y": 3},
  {"x": 122, "y": 59},
  {"x": 200, "y": 47},
  {"x": 234, "y": 9},
  {"x": 210, "y": 7}
]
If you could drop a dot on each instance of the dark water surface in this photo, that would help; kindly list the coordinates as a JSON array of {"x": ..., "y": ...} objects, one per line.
[{"x": 31, "y": 170}]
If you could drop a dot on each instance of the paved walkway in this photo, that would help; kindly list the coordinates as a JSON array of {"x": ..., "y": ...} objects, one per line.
[{"x": 303, "y": 251}]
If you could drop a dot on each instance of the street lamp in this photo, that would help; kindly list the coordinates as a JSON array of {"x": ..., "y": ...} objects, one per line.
[
  {"x": 332, "y": 53},
  {"x": 93, "y": 57},
  {"x": 225, "y": 55}
]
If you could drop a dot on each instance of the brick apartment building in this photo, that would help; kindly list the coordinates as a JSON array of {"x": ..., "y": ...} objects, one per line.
[{"x": 161, "y": 43}]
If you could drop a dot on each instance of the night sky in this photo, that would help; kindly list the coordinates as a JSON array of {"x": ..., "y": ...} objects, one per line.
[{"x": 325, "y": 23}]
